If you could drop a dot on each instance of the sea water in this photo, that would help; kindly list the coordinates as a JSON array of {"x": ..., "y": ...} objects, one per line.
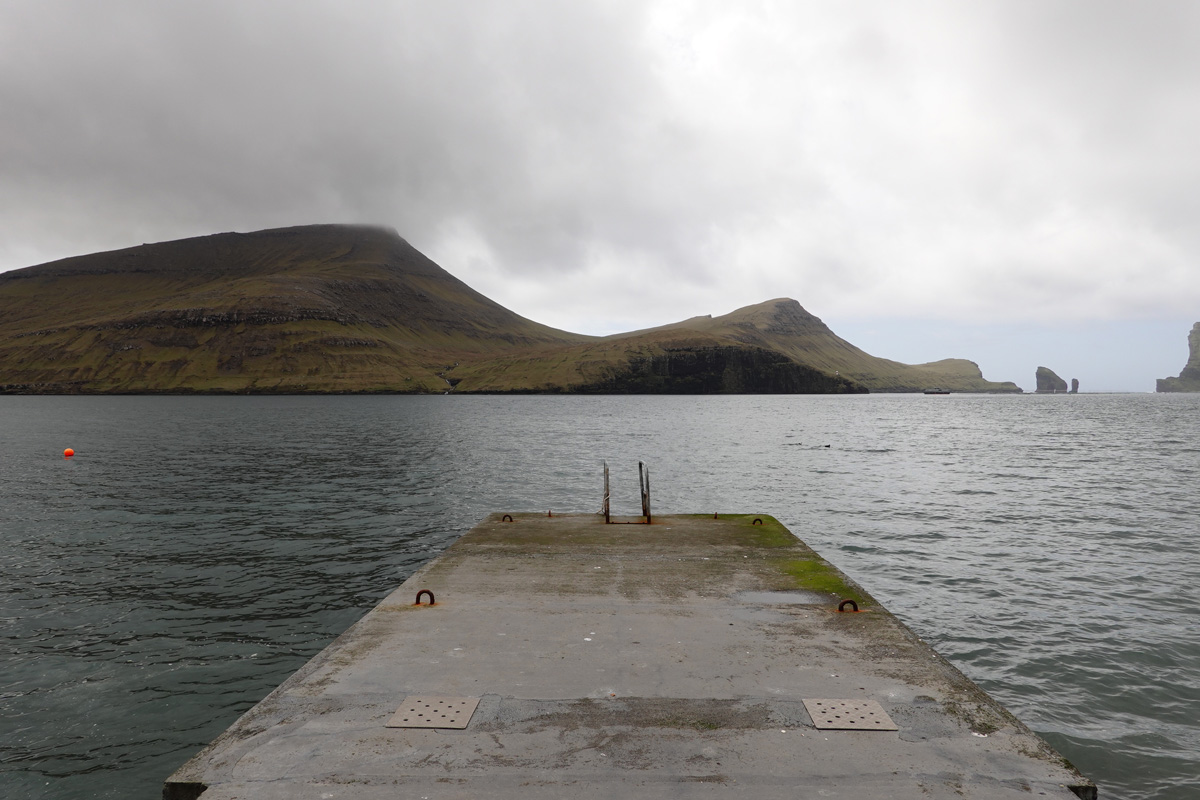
[{"x": 198, "y": 550}]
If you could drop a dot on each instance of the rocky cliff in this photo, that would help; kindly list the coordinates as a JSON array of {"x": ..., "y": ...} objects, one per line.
[
  {"x": 1048, "y": 382},
  {"x": 1188, "y": 379}
]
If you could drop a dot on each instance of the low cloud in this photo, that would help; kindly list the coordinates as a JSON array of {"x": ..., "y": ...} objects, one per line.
[{"x": 610, "y": 165}]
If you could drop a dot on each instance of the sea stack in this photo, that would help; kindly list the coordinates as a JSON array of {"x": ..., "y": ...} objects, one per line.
[
  {"x": 1049, "y": 383},
  {"x": 1074, "y": 386},
  {"x": 1189, "y": 377}
]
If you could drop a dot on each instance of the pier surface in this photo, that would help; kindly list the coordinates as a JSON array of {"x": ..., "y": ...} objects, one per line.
[{"x": 627, "y": 661}]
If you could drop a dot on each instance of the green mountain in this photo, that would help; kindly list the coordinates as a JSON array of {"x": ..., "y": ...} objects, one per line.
[
  {"x": 1189, "y": 377},
  {"x": 335, "y": 308}
]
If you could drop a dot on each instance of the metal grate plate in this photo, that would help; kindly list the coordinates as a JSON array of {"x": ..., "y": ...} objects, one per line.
[
  {"x": 434, "y": 712},
  {"x": 849, "y": 715}
]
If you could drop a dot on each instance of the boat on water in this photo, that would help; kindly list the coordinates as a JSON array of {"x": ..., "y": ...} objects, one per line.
[{"x": 937, "y": 390}]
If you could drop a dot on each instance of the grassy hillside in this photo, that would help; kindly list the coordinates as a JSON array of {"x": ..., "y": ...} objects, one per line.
[
  {"x": 781, "y": 347},
  {"x": 331, "y": 308},
  {"x": 783, "y": 325},
  {"x": 319, "y": 308}
]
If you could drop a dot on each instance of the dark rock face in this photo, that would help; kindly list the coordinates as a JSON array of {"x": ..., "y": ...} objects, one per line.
[
  {"x": 1048, "y": 382},
  {"x": 720, "y": 370},
  {"x": 1074, "y": 385},
  {"x": 1189, "y": 377}
]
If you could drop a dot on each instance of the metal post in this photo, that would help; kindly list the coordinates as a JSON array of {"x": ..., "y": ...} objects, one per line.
[
  {"x": 642, "y": 486},
  {"x": 607, "y": 517},
  {"x": 646, "y": 500},
  {"x": 644, "y": 489}
]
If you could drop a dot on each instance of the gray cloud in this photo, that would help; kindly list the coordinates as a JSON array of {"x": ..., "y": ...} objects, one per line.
[{"x": 606, "y": 165}]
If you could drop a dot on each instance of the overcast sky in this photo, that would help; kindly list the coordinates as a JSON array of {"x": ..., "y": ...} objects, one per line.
[{"x": 1017, "y": 183}]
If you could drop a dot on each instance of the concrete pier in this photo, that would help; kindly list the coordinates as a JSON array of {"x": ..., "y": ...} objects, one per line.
[{"x": 671, "y": 660}]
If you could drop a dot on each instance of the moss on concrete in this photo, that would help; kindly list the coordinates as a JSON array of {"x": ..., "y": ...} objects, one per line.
[
  {"x": 818, "y": 575},
  {"x": 768, "y": 533}
]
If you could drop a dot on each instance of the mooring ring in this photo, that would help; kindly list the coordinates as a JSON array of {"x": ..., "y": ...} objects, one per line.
[
  {"x": 757, "y": 521},
  {"x": 842, "y": 605},
  {"x": 424, "y": 591},
  {"x": 506, "y": 518}
]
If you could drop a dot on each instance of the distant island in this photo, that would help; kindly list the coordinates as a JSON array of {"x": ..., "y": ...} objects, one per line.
[
  {"x": 344, "y": 309},
  {"x": 1189, "y": 378},
  {"x": 1048, "y": 382}
]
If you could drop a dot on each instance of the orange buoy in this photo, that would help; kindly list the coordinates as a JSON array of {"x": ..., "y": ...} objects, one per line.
[{"x": 68, "y": 453}]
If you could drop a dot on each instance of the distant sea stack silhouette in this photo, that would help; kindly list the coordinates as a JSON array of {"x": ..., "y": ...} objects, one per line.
[
  {"x": 345, "y": 308},
  {"x": 1074, "y": 386},
  {"x": 1049, "y": 383},
  {"x": 1189, "y": 378}
]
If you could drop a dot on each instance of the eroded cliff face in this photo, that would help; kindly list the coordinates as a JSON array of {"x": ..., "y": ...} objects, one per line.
[
  {"x": 1189, "y": 377},
  {"x": 1048, "y": 382},
  {"x": 719, "y": 370}
]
